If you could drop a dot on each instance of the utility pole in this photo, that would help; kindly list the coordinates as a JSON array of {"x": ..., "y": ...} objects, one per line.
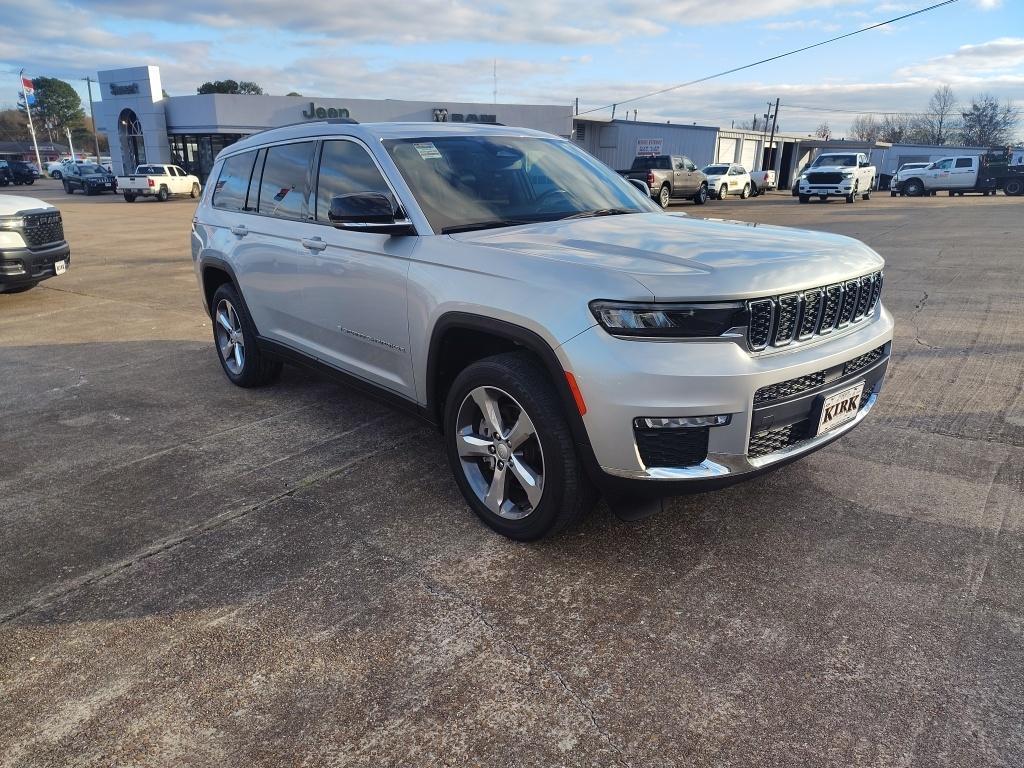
[
  {"x": 577, "y": 105},
  {"x": 92, "y": 116},
  {"x": 613, "y": 110},
  {"x": 28, "y": 111},
  {"x": 771, "y": 141}
]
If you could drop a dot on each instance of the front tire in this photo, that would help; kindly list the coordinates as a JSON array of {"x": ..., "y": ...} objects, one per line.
[
  {"x": 511, "y": 450},
  {"x": 67, "y": 188},
  {"x": 195, "y": 191},
  {"x": 852, "y": 197},
  {"x": 913, "y": 188},
  {"x": 234, "y": 335},
  {"x": 57, "y": 175},
  {"x": 702, "y": 195},
  {"x": 805, "y": 198},
  {"x": 664, "y": 196}
]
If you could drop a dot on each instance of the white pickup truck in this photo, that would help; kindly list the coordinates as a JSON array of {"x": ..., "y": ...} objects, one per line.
[
  {"x": 955, "y": 174},
  {"x": 837, "y": 174},
  {"x": 762, "y": 181},
  {"x": 159, "y": 181}
]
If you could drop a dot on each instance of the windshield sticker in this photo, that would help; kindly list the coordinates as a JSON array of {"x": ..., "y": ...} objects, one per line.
[
  {"x": 281, "y": 195},
  {"x": 427, "y": 150}
]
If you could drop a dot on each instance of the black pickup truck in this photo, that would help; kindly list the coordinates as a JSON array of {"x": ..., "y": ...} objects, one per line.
[{"x": 669, "y": 176}]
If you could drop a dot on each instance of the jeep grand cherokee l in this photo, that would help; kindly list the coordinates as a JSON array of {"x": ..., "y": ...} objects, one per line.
[{"x": 568, "y": 338}]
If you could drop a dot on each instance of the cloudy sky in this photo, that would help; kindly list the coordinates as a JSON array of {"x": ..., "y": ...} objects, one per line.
[{"x": 547, "y": 51}]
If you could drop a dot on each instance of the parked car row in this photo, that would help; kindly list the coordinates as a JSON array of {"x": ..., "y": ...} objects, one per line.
[{"x": 668, "y": 177}]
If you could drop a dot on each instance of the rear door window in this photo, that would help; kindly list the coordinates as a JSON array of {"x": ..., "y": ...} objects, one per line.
[
  {"x": 283, "y": 186},
  {"x": 229, "y": 192},
  {"x": 964, "y": 162},
  {"x": 346, "y": 168}
]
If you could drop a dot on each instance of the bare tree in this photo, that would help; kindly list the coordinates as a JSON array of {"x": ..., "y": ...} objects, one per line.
[
  {"x": 864, "y": 128},
  {"x": 988, "y": 123},
  {"x": 824, "y": 131},
  {"x": 939, "y": 124},
  {"x": 895, "y": 129}
]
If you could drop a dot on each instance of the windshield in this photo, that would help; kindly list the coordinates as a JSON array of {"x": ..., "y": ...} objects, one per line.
[
  {"x": 716, "y": 170},
  {"x": 477, "y": 182},
  {"x": 85, "y": 170},
  {"x": 842, "y": 160}
]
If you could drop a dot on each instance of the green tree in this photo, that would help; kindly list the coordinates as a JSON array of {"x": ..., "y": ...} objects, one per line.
[
  {"x": 231, "y": 86},
  {"x": 57, "y": 107},
  {"x": 13, "y": 125}
]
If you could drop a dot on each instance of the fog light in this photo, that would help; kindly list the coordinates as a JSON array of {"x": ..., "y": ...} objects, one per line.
[{"x": 684, "y": 422}]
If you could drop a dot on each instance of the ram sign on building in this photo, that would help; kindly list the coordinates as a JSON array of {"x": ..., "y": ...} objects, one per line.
[{"x": 145, "y": 126}]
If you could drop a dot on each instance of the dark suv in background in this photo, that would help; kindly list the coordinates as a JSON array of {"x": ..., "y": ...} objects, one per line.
[
  {"x": 22, "y": 172},
  {"x": 91, "y": 179}
]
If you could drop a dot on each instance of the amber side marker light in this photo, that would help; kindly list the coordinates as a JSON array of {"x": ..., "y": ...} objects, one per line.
[{"x": 581, "y": 404}]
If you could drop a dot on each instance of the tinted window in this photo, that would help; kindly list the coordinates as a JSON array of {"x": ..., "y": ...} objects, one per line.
[
  {"x": 651, "y": 162},
  {"x": 283, "y": 185},
  {"x": 229, "y": 192},
  {"x": 345, "y": 167},
  {"x": 964, "y": 162},
  {"x": 254, "y": 182},
  {"x": 150, "y": 170}
]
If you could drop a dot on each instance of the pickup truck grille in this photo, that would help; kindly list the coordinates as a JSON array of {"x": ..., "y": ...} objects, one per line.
[
  {"x": 779, "y": 321},
  {"x": 824, "y": 178},
  {"x": 43, "y": 229}
]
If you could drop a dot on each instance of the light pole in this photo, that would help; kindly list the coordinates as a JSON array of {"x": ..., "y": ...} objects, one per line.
[{"x": 92, "y": 116}]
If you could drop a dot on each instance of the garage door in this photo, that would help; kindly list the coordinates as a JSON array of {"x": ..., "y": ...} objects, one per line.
[
  {"x": 726, "y": 150},
  {"x": 749, "y": 157}
]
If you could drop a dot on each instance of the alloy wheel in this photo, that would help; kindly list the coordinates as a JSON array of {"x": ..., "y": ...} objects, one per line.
[
  {"x": 230, "y": 341},
  {"x": 500, "y": 452}
]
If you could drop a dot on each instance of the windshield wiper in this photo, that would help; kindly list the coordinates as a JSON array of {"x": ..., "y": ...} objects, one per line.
[
  {"x": 492, "y": 224},
  {"x": 598, "y": 212}
]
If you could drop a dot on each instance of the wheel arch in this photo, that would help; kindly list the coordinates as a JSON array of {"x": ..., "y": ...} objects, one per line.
[
  {"x": 215, "y": 273},
  {"x": 445, "y": 360}
]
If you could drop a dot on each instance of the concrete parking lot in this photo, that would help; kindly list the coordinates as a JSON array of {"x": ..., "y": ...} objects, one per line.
[{"x": 196, "y": 575}]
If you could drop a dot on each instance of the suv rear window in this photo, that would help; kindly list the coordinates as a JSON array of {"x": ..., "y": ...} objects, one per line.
[
  {"x": 964, "y": 162},
  {"x": 283, "y": 186},
  {"x": 229, "y": 192}
]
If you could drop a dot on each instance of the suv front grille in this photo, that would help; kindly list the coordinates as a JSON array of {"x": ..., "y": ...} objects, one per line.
[
  {"x": 800, "y": 384},
  {"x": 671, "y": 447},
  {"x": 780, "y": 320},
  {"x": 824, "y": 178},
  {"x": 43, "y": 229}
]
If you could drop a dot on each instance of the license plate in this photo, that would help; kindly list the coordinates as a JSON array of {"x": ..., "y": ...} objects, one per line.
[
  {"x": 60, "y": 267},
  {"x": 840, "y": 407}
]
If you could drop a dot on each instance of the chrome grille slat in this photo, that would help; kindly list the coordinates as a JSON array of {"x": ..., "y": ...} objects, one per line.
[{"x": 779, "y": 321}]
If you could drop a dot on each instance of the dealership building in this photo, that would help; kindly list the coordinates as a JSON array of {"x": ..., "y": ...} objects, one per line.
[{"x": 144, "y": 126}]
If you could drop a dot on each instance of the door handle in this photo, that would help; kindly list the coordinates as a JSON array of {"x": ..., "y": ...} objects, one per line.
[
  {"x": 313, "y": 244},
  {"x": 239, "y": 230}
]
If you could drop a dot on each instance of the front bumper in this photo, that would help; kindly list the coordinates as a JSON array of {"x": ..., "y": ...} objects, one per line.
[
  {"x": 624, "y": 380},
  {"x": 842, "y": 189},
  {"x": 22, "y": 266}
]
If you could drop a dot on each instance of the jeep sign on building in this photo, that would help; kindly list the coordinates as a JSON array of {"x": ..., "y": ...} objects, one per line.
[{"x": 144, "y": 126}]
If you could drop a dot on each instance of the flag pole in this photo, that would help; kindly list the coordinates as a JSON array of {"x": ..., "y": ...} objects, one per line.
[{"x": 28, "y": 111}]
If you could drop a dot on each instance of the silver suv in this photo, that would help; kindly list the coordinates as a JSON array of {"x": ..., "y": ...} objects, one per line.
[{"x": 567, "y": 336}]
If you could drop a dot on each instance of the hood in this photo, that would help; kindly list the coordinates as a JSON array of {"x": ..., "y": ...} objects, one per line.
[
  {"x": 681, "y": 258},
  {"x": 832, "y": 169},
  {"x": 12, "y": 204},
  {"x": 716, "y": 178}
]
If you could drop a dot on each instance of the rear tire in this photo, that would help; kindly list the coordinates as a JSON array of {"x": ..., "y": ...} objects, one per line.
[
  {"x": 195, "y": 191},
  {"x": 129, "y": 198},
  {"x": 234, "y": 337},
  {"x": 1013, "y": 187},
  {"x": 162, "y": 195},
  {"x": 745, "y": 193},
  {"x": 664, "y": 196},
  {"x": 519, "y": 386}
]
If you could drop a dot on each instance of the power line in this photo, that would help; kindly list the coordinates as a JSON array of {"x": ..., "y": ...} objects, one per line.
[
  {"x": 772, "y": 58},
  {"x": 803, "y": 108}
]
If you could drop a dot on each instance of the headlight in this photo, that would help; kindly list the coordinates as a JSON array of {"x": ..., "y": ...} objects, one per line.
[
  {"x": 11, "y": 240},
  {"x": 669, "y": 320},
  {"x": 12, "y": 222}
]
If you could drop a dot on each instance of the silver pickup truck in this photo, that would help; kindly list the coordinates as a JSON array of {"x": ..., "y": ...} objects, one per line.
[{"x": 567, "y": 336}]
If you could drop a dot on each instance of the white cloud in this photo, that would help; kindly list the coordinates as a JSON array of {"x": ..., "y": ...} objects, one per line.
[{"x": 999, "y": 59}]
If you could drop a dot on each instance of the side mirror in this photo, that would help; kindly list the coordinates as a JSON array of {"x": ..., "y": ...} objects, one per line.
[
  {"x": 367, "y": 212},
  {"x": 641, "y": 186}
]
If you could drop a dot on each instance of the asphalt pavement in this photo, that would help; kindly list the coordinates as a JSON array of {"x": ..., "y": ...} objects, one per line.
[{"x": 193, "y": 574}]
